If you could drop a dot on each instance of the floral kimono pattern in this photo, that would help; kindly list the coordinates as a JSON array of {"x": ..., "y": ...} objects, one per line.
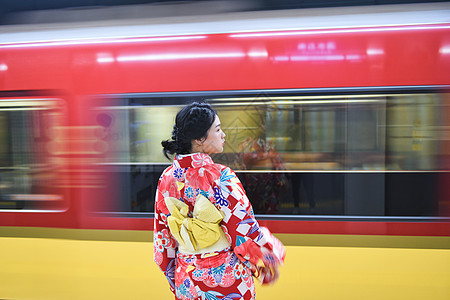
[{"x": 225, "y": 274}]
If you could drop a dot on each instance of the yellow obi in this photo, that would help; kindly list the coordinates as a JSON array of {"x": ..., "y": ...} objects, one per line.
[{"x": 196, "y": 233}]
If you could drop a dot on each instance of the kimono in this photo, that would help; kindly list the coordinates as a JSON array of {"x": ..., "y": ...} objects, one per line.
[{"x": 244, "y": 250}]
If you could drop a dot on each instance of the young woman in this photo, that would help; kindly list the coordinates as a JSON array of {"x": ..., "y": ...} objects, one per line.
[{"x": 206, "y": 238}]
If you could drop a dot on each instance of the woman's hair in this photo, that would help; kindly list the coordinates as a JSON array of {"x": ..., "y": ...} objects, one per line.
[{"x": 191, "y": 123}]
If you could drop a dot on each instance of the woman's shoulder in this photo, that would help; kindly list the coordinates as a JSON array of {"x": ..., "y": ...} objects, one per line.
[
  {"x": 222, "y": 170},
  {"x": 227, "y": 168},
  {"x": 167, "y": 171},
  {"x": 216, "y": 166}
]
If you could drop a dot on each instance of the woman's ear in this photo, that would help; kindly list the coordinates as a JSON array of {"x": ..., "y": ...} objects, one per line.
[
  {"x": 200, "y": 141},
  {"x": 197, "y": 145}
]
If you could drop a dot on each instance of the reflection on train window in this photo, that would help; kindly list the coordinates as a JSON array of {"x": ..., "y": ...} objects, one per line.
[
  {"x": 363, "y": 155},
  {"x": 27, "y": 169},
  {"x": 358, "y": 132}
]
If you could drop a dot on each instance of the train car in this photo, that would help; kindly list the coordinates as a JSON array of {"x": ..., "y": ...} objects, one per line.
[{"x": 337, "y": 124}]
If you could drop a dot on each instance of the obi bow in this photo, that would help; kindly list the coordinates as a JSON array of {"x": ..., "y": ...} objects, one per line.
[{"x": 198, "y": 232}]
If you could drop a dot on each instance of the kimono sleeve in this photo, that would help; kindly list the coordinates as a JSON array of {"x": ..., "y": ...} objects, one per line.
[
  {"x": 250, "y": 242},
  {"x": 164, "y": 246}
]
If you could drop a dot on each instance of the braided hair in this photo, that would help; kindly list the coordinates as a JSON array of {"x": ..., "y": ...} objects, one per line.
[{"x": 191, "y": 123}]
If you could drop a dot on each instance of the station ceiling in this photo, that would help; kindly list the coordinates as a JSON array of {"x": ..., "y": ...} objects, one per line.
[{"x": 10, "y": 8}]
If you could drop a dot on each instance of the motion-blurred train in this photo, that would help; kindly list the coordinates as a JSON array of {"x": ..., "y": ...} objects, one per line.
[{"x": 337, "y": 123}]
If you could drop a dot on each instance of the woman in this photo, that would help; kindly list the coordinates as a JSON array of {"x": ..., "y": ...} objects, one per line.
[{"x": 206, "y": 238}]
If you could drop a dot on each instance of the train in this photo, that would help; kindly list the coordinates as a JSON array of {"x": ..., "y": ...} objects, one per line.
[{"x": 337, "y": 123}]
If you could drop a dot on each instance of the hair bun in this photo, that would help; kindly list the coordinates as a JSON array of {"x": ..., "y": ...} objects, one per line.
[{"x": 169, "y": 146}]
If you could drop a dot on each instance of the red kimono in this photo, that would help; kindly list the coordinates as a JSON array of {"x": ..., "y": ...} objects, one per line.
[{"x": 225, "y": 270}]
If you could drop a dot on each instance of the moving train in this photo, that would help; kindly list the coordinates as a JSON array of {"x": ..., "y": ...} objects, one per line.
[{"x": 337, "y": 123}]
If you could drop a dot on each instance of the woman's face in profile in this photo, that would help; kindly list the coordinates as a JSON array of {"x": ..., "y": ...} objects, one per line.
[{"x": 215, "y": 139}]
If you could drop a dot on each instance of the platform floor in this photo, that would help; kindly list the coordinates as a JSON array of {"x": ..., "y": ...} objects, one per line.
[{"x": 42, "y": 268}]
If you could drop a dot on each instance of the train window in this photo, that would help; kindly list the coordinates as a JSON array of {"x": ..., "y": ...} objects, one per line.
[
  {"x": 27, "y": 167},
  {"x": 134, "y": 130},
  {"x": 336, "y": 155}
]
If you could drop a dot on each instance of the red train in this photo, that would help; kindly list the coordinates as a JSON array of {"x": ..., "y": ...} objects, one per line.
[{"x": 337, "y": 124}]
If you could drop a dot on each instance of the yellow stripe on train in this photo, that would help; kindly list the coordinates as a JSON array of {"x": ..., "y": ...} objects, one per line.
[{"x": 48, "y": 268}]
